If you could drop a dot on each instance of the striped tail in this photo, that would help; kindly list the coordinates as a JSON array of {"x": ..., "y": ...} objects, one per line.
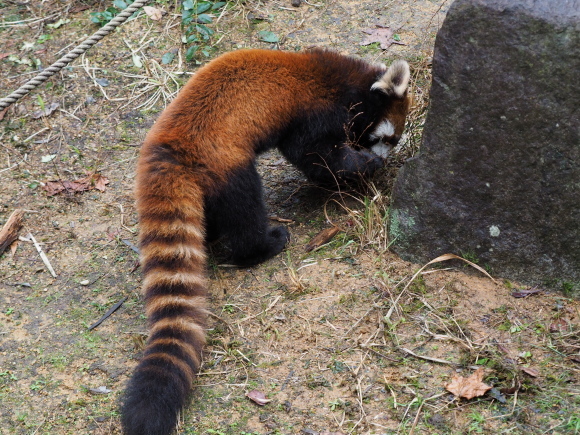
[{"x": 170, "y": 206}]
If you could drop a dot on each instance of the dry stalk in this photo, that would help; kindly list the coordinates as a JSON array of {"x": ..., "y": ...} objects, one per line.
[
  {"x": 368, "y": 223},
  {"x": 295, "y": 279}
]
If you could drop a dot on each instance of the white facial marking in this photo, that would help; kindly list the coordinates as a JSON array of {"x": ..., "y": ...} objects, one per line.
[
  {"x": 381, "y": 149},
  {"x": 385, "y": 128}
]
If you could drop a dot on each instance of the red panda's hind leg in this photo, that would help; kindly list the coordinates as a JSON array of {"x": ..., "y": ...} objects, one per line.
[{"x": 237, "y": 215}]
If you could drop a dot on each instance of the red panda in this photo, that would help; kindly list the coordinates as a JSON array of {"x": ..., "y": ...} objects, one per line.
[{"x": 197, "y": 181}]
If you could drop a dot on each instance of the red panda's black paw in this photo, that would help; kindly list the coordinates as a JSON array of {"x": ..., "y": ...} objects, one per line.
[
  {"x": 362, "y": 163},
  {"x": 372, "y": 162},
  {"x": 278, "y": 236}
]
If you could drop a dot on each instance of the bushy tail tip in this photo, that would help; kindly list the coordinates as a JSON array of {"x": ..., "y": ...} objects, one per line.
[{"x": 153, "y": 399}]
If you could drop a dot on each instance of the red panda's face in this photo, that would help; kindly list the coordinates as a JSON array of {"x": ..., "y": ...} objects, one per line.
[{"x": 386, "y": 133}]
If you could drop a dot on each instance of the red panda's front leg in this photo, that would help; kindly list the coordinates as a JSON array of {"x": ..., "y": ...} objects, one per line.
[{"x": 331, "y": 164}]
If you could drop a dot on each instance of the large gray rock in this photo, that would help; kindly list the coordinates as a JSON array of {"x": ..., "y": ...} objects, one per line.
[{"x": 498, "y": 173}]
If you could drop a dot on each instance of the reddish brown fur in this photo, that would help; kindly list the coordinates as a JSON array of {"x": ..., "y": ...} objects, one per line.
[
  {"x": 223, "y": 135},
  {"x": 197, "y": 142}
]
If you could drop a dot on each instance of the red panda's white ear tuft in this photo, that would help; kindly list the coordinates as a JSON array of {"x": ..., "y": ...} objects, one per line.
[{"x": 396, "y": 80}]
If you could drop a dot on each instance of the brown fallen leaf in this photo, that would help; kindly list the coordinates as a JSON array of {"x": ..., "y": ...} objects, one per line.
[
  {"x": 558, "y": 325},
  {"x": 503, "y": 349},
  {"x": 92, "y": 181},
  {"x": 322, "y": 237},
  {"x": 14, "y": 247},
  {"x": 153, "y": 13},
  {"x": 382, "y": 35},
  {"x": 525, "y": 293},
  {"x": 530, "y": 371},
  {"x": 258, "y": 397},
  {"x": 513, "y": 389},
  {"x": 470, "y": 387},
  {"x": 100, "y": 182},
  {"x": 79, "y": 9},
  {"x": 48, "y": 110}
]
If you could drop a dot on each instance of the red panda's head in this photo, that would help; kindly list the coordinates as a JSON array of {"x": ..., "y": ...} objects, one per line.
[{"x": 387, "y": 130}]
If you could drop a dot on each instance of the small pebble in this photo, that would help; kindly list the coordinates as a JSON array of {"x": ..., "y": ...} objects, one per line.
[
  {"x": 84, "y": 282},
  {"x": 296, "y": 3}
]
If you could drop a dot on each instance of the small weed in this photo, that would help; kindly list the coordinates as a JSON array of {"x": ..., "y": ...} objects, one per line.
[
  {"x": 470, "y": 256},
  {"x": 372, "y": 48},
  {"x": 228, "y": 308},
  {"x": 335, "y": 404},
  {"x": 369, "y": 223},
  {"x": 315, "y": 381},
  {"x": 568, "y": 288},
  {"x": 573, "y": 424},
  {"x": 43, "y": 38},
  {"x": 102, "y": 18},
  {"x": 476, "y": 425},
  {"x": 338, "y": 367},
  {"x": 195, "y": 17},
  {"x": 37, "y": 385},
  {"x": 418, "y": 285},
  {"x": 348, "y": 299},
  {"x": 8, "y": 376},
  {"x": 59, "y": 361}
]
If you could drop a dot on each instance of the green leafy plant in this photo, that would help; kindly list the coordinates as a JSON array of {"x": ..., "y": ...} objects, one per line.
[
  {"x": 195, "y": 16},
  {"x": 267, "y": 36},
  {"x": 102, "y": 18}
]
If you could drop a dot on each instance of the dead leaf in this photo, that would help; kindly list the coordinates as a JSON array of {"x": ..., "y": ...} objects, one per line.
[
  {"x": 3, "y": 113},
  {"x": 100, "y": 390},
  {"x": 45, "y": 112},
  {"x": 503, "y": 349},
  {"x": 497, "y": 395},
  {"x": 14, "y": 247},
  {"x": 79, "y": 9},
  {"x": 48, "y": 110},
  {"x": 470, "y": 387},
  {"x": 322, "y": 237},
  {"x": 92, "y": 181},
  {"x": 349, "y": 223},
  {"x": 530, "y": 371},
  {"x": 525, "y": 293},
  {"x": 258, "y": 397},
  {"x": 512, "y": 390},
  {"x": 153, "y": 13},
  {"x": 3, "y": 55},
  {"x": 101, "y": 182},
  {"x": 382, "y": 35},
  {"x": 558, "y": 325}
]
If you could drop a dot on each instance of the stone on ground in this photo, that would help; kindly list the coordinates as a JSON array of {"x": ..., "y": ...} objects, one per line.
[{"x": 497, "y": 178}]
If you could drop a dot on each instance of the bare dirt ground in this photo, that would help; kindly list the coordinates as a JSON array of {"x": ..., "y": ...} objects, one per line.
[{"x": 341, "y": 340}]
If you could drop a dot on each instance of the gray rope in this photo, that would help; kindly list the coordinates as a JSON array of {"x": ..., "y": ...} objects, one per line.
[{"x": 72, "y": 55}]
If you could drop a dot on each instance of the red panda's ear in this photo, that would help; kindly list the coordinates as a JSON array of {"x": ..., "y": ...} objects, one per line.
[{"x": 395, "y": 80}]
